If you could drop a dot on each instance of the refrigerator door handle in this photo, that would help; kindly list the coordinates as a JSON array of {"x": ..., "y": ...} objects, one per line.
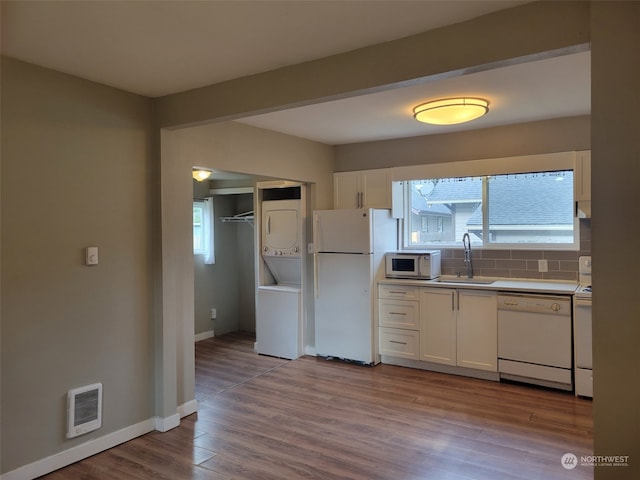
[
  {"x": 316, "y": 248},
  {"x": 316, "y": 234}
]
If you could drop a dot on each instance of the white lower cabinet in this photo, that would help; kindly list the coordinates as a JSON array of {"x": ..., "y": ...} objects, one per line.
[
  {"x": 459, "y": 327},
  {"x": 477, "y": 335},
  {"x": 398, "y": 319},
  {"x": 399, "y": 343},
  {"x": 438, "y": 325}
]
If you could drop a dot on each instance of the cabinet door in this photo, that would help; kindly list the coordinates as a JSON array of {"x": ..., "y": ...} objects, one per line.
[
  {"x": 347, "y": 190},
  {"x": 477, "y": 330},
  {"x": 376, "y": 188},
  {"x": 438, "y": 325},
  {"x": 582, "y": 172}
]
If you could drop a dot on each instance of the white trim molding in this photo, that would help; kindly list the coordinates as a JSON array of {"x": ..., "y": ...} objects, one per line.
[
  {"x": 80, "y": 452},
  {"x": 91, "y": 447},
  {"x": 203, "y": 336},
  {"x": 188, "y": 408},
  {"x": 167, "y": 423}
]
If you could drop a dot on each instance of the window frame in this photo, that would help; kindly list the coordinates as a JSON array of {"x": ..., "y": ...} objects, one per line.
[
  {"x": 561, "y": 161},
  {"x": 198, "y": 204}
]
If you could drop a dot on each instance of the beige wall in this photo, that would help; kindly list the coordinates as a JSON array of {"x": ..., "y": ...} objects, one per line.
[
  {"x": 517, "y": 34},
  {"x": 226, "y": 146},
  {"x": 64, "y": 129},
  {"x": 228, "y": 284},
  {"x": 557, "y": 135},
  {"x": 507, "y": 36},
  {"x": 615, "y": 232},
  {"x": 76, "y": 171}
]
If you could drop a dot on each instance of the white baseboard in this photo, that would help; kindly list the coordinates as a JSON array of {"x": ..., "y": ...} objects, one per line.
[
  {"x": 203, "y": 335},
  {"x": 167, "y": 423},
  {"x": 188, "y": 408},
  {"x": 75, "y": 454},
  {"x": 87, "y": 449}
]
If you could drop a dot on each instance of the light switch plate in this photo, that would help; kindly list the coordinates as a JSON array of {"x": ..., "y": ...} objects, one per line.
[{"x": 92, "y": 256}]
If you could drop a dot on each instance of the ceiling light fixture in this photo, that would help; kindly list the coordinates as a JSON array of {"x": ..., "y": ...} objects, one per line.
[
  {"x": 200, "y": 174},
  {"x": 450, "y": 111}
]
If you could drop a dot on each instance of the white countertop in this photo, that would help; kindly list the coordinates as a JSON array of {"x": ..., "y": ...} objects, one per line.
[{"x": 498, "y": 284}]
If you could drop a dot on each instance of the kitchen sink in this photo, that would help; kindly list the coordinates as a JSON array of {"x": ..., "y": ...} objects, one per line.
[{"x": 475, "y": 280}]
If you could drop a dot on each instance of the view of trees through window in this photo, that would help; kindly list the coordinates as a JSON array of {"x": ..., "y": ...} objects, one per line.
[{"x": 524, "y": 208}]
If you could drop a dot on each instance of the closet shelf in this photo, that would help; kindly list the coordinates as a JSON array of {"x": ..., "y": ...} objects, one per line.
[{"x": 246, "y": 217}]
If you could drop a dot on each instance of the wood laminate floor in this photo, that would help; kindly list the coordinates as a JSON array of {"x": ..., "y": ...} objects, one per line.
[{"x": 267, "y": 418}]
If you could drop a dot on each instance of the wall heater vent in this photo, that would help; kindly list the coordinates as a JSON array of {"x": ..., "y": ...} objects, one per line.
[{"x": 84, "y": 409}]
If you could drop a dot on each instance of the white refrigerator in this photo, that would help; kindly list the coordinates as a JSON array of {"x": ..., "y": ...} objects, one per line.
[{"x": 349, "y": 248}]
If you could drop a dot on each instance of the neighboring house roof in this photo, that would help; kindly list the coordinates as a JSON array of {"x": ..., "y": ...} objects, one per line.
[
  {"x": 539, "y": 200},
  {"x": 536, "y": 199},
  {"x": 420, "y": 206},
  {"x": 463, "y": 190}
]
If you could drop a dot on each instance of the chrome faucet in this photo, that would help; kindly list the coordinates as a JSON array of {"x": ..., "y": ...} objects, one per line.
[{"x": 466, "y": 243}]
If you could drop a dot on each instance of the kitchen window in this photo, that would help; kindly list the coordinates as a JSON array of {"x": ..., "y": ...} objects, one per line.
[{"x": 516, "y": 210}]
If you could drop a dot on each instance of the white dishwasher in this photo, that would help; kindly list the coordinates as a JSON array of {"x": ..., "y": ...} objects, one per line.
[{"x": 534, "y": 339}]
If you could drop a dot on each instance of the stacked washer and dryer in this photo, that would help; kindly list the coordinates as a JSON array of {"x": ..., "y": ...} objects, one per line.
[{"x": 279, "y": 309}]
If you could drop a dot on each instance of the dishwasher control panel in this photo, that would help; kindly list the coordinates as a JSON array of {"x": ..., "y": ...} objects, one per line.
[{"x": 550, "y": 304}]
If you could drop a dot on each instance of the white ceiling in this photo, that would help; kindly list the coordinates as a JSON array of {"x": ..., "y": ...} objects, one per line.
[
  {"x": 155, "y": 48},
  {"x": 544, "y": 89}
]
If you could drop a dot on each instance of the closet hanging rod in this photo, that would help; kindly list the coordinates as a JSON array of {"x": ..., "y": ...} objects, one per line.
[{"x": 246, "y": 217}]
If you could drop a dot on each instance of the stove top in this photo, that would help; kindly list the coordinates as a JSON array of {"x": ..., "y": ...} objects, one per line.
[{"x": 583, "y": 291}]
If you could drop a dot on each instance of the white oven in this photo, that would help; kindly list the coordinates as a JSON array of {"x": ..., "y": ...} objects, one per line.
[{"x": 582, "y": 331}]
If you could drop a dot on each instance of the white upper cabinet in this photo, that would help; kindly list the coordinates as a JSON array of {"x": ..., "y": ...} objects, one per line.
[
  {"x": 582, "y": 183},
  {"x": 362, "y": 189}
]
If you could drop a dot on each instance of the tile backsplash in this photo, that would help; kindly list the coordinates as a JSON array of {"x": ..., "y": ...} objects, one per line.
[{"x": 561, "y": 264}]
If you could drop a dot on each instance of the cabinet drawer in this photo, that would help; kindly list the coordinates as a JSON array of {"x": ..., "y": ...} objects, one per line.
[
  {"x": 399, "y": 292},
  {"x": 399, "y": 314},
  {"x": 399, "y": 343}
]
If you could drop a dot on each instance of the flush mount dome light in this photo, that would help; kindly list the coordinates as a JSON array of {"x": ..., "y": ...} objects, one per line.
[
  {"x": 450, "y": 111},
  {"x": 201, "y": 174}
]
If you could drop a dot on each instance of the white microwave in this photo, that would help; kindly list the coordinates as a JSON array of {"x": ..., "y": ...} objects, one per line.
[{"x": 418, "y": 265}]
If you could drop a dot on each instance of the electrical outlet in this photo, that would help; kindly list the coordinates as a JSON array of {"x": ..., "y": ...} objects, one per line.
[
  {"x": 543, "y": 266},
  {"x": 214, "y": 313}
]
